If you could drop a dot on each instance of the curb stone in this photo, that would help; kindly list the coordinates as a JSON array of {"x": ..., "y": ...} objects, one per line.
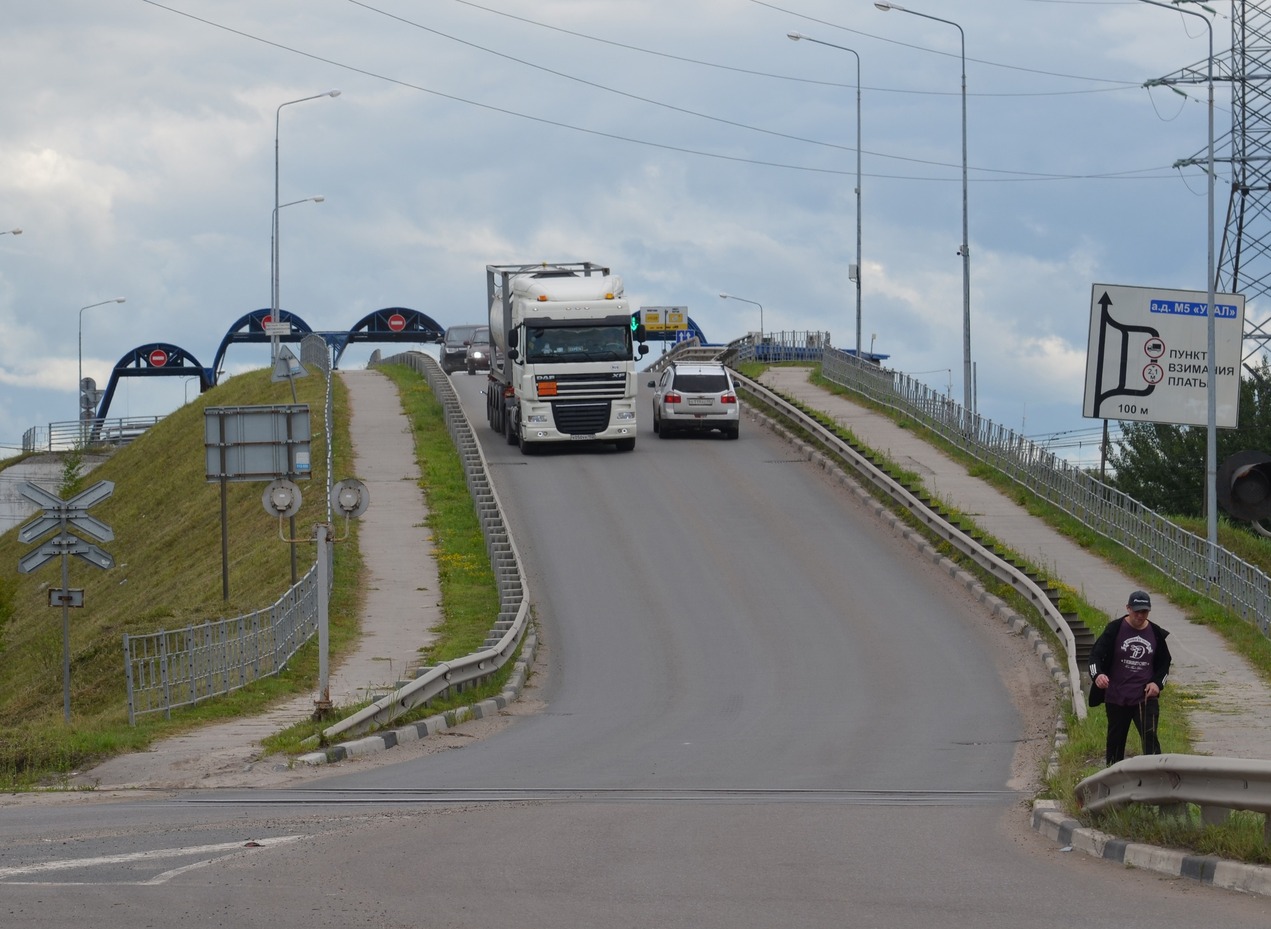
[
  {"x": 433, "y": 725},
  {"x": 1051, "y": 821}
]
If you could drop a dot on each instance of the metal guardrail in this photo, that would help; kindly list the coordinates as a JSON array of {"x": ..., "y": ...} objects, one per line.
[
  {"x": 513, "y": 617},
  {"x": 1216, "y": 785},
  {"x": 984, "y": 557},
  {"x": 1185, "y": 557},
  {"x": 181, "y": 667}
]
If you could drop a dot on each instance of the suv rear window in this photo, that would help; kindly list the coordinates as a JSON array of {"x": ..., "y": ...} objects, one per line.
[{"x": 701, "y": 383}]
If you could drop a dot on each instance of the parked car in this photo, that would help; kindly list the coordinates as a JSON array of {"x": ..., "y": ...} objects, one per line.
[
  {"x": 454, "y": 347},
  {"x": 695, "y": 397},
  {"x": 478, "y": 356}
]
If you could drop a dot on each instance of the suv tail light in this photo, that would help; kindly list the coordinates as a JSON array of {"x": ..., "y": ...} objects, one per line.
[
  {"x": 671, "y": 397},
  {"x": 728, "y": 397}
]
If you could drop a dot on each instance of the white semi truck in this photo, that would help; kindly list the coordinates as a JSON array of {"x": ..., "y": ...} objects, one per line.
[{"x": 564, "y": 355}]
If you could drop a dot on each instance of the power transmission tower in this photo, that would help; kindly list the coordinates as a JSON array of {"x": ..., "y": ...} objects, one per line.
[{"x": 1244, "y": 261}]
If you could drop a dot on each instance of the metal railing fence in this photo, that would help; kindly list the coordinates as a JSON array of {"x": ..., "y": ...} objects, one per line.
[
  {"x": 1186, "y": 557},
  {"x": 72, "y": 434},
  {"x": 180, "y": 667}
]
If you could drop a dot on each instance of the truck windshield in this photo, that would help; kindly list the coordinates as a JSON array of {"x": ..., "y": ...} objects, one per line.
[{"x": 577, "y": 343}]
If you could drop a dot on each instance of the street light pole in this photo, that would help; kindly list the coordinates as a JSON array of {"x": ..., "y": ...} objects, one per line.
[
  {"x": 273, "y": 239},
  {"x": 79, "y": 384},
  {"x": 752, "y": 303},
  {"x": 1211, "y": 388},
  {"x": 968, "y": 390},
  {"x": 796, "y": 36}
]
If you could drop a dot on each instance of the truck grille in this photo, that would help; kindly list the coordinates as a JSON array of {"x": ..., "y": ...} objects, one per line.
[
  {"x": 581, "y": 417},
  {"x": 606, "y": 385}
]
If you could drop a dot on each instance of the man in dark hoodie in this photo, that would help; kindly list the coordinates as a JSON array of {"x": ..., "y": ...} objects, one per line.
[{"x": 1129, "y": 665}]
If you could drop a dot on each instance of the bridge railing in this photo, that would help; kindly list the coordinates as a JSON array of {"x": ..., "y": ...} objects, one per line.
[{"x": 65, "y": 436}]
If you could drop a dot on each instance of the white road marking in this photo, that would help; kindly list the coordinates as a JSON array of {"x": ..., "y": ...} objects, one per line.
[{"x": 219, "y": 850}]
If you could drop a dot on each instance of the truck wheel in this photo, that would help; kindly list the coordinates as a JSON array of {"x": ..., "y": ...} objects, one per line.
[
  {"x": 625, "y": 445},
  {"x": 509, "y": 429},
  {"x": 528, "y": 448}
]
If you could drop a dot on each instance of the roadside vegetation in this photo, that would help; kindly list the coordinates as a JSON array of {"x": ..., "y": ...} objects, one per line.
[
  {"x": 1082, "y": 754},
  {"x": 167, "y": 574}
]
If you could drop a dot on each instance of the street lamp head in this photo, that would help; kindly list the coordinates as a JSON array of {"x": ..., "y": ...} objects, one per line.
[
  {"x": 723, "y": 296},
  {"x": 890, "y": 6},
  {"x": 333, "y": 93},
  {"x": 795, "y": 36},
  {"x": 12, "y": 232},
  {"x": 318, "y": 199}
]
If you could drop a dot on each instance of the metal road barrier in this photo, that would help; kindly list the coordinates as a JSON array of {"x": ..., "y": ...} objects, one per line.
[
  {"x": 513, "y": 617},
  {"x": 986, "y": 559},
  {"x": 1216, "y": 785},
  {"x": 1238, "y": 586}
]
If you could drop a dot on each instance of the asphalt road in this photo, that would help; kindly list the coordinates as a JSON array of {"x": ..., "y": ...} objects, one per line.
[{"x": 761, "y": 709}]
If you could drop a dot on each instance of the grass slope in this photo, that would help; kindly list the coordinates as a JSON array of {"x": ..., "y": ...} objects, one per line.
[{"x": 167, "y": 574}]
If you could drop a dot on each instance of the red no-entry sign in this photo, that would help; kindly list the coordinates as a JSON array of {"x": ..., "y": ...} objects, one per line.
[
  {"x": 397, "y": 322},
  {"x": 158, "y": 358}
]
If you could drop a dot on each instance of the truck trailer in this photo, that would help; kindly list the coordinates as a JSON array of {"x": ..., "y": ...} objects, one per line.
[{"x": 564, "y": 345}]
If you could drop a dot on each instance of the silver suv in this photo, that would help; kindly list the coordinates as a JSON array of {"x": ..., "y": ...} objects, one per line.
[{"x": 695, "y": 397}]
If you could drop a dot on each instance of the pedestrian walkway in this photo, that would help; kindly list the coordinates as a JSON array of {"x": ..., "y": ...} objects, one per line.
[
  {"x": 1233, "y": 716},
  {"x": 400, "y": 607}
]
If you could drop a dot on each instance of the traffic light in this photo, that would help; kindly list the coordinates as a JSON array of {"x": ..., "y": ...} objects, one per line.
[
  {"x": 1244, "y": 486},
  {"x": 637, "y": 327}
]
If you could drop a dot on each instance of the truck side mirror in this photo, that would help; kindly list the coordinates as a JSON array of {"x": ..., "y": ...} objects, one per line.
[{"x": 644, "y": 350}]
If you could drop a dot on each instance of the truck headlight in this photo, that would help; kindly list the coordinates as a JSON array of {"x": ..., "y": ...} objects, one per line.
[{"x": 626, "y": 415}]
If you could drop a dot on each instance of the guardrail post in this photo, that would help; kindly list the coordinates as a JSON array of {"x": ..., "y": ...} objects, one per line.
[{"x": 1214, "y": 815}]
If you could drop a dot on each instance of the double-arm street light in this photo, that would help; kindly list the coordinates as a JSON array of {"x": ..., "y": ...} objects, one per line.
[
  {"x": 1211, "y": 387},
  {"x": 79, "y": 384},
  {"x": 752, "y": 303},
  {"x": 968, "y": 395},
  {"x": 796, "y": 36},
  {"x": 273, "y": 242}
]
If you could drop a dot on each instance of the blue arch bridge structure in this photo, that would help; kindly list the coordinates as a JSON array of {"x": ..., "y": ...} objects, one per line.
[{"x": 163, "y": 359}]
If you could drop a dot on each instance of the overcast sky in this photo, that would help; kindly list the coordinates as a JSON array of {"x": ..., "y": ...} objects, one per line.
[{"x": 689, "y": 145}]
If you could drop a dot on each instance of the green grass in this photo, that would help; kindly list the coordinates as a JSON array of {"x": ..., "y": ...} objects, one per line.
[
  {"x": 167, "y": 574},
  {"x": 1083, "y": 753}
]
